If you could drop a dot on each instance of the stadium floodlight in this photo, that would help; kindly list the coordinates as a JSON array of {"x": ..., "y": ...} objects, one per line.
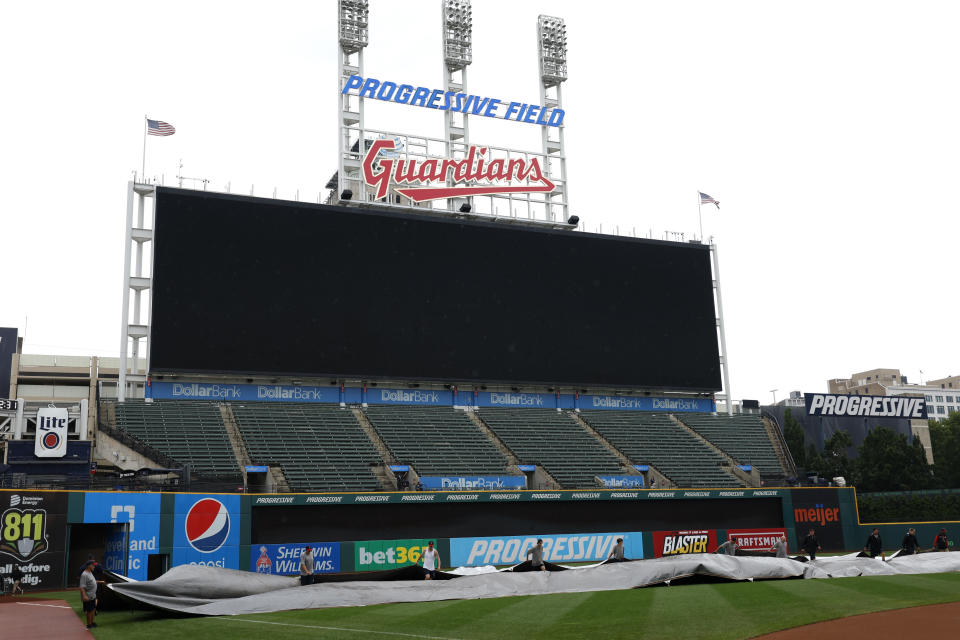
[
  {"x": 552, "y": 39},
  {"x": 457, "y": 34},
  {"x": 354, "y": 18}
]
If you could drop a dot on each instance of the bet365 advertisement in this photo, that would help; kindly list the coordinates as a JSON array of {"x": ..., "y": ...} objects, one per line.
[
  {"x": 206, "y": 530},
  {"x": 33, "y": 531}
]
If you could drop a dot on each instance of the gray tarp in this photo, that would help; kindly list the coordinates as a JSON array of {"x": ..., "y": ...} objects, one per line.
[{"x": 203, "y": 590}]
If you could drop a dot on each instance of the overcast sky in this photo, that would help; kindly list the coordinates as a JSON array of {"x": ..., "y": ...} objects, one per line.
[{"x": 828, "y": 131}]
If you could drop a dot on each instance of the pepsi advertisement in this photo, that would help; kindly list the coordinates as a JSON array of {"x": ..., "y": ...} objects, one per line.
[
  {"x": 206, "y": 530},
  {"x": 141, "y": 513},
  {"x": 284, "y": 559}
]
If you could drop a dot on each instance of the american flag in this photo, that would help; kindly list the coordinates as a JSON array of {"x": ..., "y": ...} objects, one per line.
[
  {"x": 161, "y": 128},
  {"x": 705, "y": 199}
]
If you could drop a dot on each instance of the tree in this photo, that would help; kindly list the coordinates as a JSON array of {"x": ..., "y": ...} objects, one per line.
[
  {"x": 887, "y": 462},
  {"x": 835, "y": 460},
  {"x": 945, "y": 440},
  {"x": 793, "y": 434}
]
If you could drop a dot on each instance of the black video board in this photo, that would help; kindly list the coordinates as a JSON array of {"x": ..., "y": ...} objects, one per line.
[{"x": 257, "y": 286}]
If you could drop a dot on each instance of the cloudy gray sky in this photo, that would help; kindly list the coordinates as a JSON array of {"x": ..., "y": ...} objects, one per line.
[{"x": 827, "y": 130}]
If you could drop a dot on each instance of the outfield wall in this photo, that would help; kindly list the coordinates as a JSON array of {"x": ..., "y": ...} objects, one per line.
[{"x": 371, "y": 531}]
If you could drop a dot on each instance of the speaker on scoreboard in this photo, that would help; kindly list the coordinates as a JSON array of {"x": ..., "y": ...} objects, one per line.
[
  {"x": 573, "y": 220},
  {"x": 347, "y": 194}
]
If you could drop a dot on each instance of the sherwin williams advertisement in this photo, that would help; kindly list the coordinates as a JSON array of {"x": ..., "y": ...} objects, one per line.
[{"x": 284, "y": 559}]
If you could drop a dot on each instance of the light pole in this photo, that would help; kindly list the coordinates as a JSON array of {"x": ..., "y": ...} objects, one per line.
[{"x": 774, "y": 392}]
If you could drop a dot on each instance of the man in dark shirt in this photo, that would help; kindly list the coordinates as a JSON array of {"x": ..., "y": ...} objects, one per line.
[
  {"x": 874, "y": 545},
  {"x": 940, "y": 543},
  {"x": 811, "y": 545},
  {"x": 910, "y": 545},
  {"x": 17, "y": 576}
]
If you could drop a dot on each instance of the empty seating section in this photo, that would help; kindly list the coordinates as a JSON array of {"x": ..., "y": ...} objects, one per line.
[
  {"x": 190, "y": 432},
  {"x": 555, "y": 441},
  {"x": 437, "y": 441},
  {"x": 655, "y": 439},
  {"x": 319, "y": 447},
  {"x": 742, "y": 437}
]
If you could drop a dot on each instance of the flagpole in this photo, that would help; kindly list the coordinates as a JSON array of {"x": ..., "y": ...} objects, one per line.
[
  {"x": 700, "y": 214},
  {"x": 143, "y": 168}
]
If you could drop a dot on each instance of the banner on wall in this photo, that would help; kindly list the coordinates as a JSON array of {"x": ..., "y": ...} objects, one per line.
[
  {"x": 670, "y": 405},
  {"x": 377, "y": 555},
  {"x": 570, "y": 547},
  {"x": 33, "y": 531},
  {"x": 284, "y": 559},
  {"x": 672, "y": 543},
  {"x": 141, "y": 513},
  {"x": 206, "y": 530},
  {"x": 473, "y": 483},
  {"x": 818, "y": 509},
  {"x": 756, "y": 539}
]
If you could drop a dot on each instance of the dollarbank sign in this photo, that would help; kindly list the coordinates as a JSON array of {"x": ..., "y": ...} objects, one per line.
[
  {"x": 477, "y": 172},
  {"x": 24, "y": 531}
]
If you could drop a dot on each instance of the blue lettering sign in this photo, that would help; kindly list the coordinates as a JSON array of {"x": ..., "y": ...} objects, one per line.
[
  {"x": 141, "y": 513},
  {"x": 667, "y": 405},
  {"x": 477, "y": 483},
  {"x": 560, "y": 547},
  {"x": 284, "y": 559}
]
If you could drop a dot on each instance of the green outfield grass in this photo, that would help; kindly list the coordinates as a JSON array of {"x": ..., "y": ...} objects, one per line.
[{"x": 722, "y": 610}]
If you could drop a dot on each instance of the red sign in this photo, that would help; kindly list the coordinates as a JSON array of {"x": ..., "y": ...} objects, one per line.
[
  {"x": 476, "y": 167},
  {"x": 756, "y": 539},
  {"x": 672, "y": 543}
]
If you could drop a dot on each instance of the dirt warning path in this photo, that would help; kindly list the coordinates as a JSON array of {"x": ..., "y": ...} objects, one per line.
[
  {"x": 36, "y": 618},
  {"x": 932, "y": 621}
]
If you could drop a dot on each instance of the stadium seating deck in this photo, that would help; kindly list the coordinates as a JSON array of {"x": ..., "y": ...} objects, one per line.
[
  {"x": 649, "y": 438},
  {"x": 437, "y": 441},
  {"x": 190, "y": 432},
  {"x": 319, "y": 447},
  {"x": 554, "y": 441},
  {"x": 742, "y": 437}
]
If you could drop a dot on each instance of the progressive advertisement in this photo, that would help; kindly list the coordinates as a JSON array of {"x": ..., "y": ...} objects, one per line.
[
  {"x": 141, "y": 512},
  {"x": 206, "y": 530},
  {"x": 33, "y": 530},
  {"x": 573, "y": 547},
  {"x": 672, "y": 543},
  {"x": 284, "y": 559}
]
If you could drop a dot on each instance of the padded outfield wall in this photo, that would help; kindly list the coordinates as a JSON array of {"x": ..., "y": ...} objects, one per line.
[{"x": 369, "y": 531}]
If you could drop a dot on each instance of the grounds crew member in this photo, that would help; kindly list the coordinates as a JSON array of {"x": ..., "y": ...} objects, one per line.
[
  {"x": 874, "y": 545},
  {"x": 535, "y": 556},
  {"x": 617, "y": 554},
  {"x": 17, "y": 576},
  {"x": 88, "y": 594},
  {"x": 940, "y": 543},
  {"x": 729, "y": 548},
  {"x": 306, "y": 566},
  {"x": 910, "y": 545},
  {"x": 811, "y": 545},
  {"x": 780, "y": 546},
  {"x": 431, "y": 561}
]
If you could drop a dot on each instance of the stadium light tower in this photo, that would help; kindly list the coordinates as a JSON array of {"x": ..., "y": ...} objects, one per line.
[
  {"x": 457, "y": 24},
  {"x": 353, "y": 17},
  {"x": 552, "y": 45}
]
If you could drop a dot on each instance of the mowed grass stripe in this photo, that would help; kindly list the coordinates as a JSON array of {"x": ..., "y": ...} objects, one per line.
[{"x": 715, "y": 611}]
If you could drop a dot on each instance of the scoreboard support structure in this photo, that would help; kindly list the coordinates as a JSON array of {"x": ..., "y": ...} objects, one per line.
[{"x": 135, "y": 326}]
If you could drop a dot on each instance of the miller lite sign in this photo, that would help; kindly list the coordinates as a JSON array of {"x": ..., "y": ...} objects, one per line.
[
  {"x": 51, "y": 437},
  {"x": 435, "y": 178}
]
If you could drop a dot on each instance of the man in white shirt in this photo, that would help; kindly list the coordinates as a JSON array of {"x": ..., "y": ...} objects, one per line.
[{"x": 431, "y": 562}]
